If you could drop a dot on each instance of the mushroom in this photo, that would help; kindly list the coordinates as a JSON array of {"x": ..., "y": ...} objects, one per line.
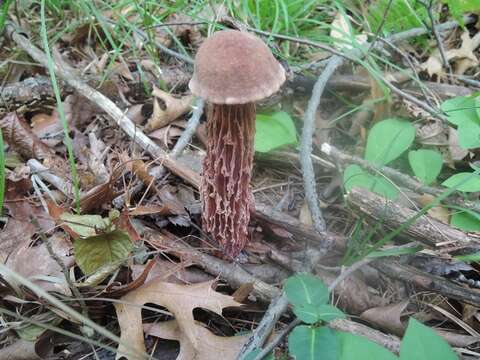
[{"x": 233, "y": 69}]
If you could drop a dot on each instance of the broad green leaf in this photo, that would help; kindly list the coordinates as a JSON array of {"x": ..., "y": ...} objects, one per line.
[
  {"x": 328, "y": 313},
  {"x": 313, "y": 343},
  {"x": 308, "y": 313},
  {"x": 460, "y": 109},
  {"x": 426, "y": 164},
  {"x": 388, "y": 139},
  {"x": 465, "y": 182},
  {"x": 422, "y": 343},
  {"x": 85, "y": 225},
  {"x": 354, "y": 347},
  {"x": 273, "y": 131},
  {"x": 466, "y": 220},
  {"x": 93, "y": 252},
  {"x": 469, "y": 134},
  {"x": 304, "y": 289},
  {"x": 355, "y": 176}
]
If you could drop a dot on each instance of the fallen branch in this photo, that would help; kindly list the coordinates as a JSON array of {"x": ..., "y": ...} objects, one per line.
[
  {"x": 428, "y": 281},
  {"x": 426, "y": 230},
  {"x": 396, "y": 176}
]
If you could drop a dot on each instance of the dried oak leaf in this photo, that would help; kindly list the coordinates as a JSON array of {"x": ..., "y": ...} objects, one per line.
[
  {"x": 167, "y": 108},
  {"x": 21, "y": 138},
  {"x": 196, "y": 342}
]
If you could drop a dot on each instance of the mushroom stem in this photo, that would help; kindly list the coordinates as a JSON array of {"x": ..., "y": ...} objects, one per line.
[{"x": 227, "y": 171}]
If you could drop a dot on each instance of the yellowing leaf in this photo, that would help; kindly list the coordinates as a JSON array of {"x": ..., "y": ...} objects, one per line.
[
  {"x": 196, "y": 342},
  {"x": 94, "y": 252}
]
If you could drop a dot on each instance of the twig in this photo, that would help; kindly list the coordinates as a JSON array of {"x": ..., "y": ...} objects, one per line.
[
  {"x": 275, "y": 310},
  {"x": 106, "y": 105},
  {"x": 436, "y": 34},
  {"x": 189, "y": 131},
  {"x": 427, "y": 281},
  {"x": 306, "y": 143},
  {"x": 278, "y": 339},
  {"x": 184, "y": 139},
  {"x": 43, "y": 172}
]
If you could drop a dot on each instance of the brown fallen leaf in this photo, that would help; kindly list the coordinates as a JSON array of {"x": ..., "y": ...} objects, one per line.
[
  {"x": 437, "y": 212},
  {"x": 387, "y": 317},
  {"x": 167, "y": 108},
  {"x": 15, "y": 235},
  {"x": 456, "y": 152},
  {"x": 180, "y": 300},
  {"x": 21, "y": 138},
  {"x": 36, "y": 264},
  {"x": 464, "y": 58},
  {"x": 224, "y": 347},
  {"x": 167, "y": 134}
]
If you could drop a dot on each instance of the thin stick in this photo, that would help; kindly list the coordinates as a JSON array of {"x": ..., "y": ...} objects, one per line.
[
  {"x": 275, "y": 310},
  {"x": 192, "y": 125},
  {"x": 306, "y": 143}
]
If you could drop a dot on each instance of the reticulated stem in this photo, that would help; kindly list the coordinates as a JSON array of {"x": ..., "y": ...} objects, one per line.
[{"x": 227, "y": 170}]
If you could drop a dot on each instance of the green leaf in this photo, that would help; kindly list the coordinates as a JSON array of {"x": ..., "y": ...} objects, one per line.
[
  {"x": 469, "y": 134},
  {"x": 329, "y": 313},
  {"x": 85, "y": 225},
  {"x": 422, "y": 343},
  {"x": 354, "y": 347},
  {"x": 96, "y": 251},
  {"x": 466, "y": 220},
  {"x": 460, "y": 109},
  {"x": 304, "y": 289},
  {"x": 465, "y": 182},
  {"x": 388, "y": 139},
  {"x": 458, "y": 7},
  {"x": 426, "y": 164},
  {"x": 463, "y": 112},
  {"x": 253, "y": 354},
  {"x": 312, "y": 343},
  {"x": 273, "y": 131},
  {"x": 355, "y": 176}
]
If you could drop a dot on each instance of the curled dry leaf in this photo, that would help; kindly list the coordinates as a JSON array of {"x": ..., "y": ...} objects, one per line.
[
  {"x": 387, "y": 317},
  {"x": 456, "y": 152},
  {"x": 167, "y": 108},
  {"x": 21, "y": 138},
  {"x": 167, "y": 134},
  {"x": 437, "y": 212},
  {"x": 196, "y": 342}
]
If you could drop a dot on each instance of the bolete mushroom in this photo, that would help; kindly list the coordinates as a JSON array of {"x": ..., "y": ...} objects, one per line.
[{"x": 233, "y": 69}]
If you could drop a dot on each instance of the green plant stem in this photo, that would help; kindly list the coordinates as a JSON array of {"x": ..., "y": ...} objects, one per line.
[{"x": 60, "y": 109}]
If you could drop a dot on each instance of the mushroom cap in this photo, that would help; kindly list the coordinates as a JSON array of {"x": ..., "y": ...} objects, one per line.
[{"x": 235, "y": 67}]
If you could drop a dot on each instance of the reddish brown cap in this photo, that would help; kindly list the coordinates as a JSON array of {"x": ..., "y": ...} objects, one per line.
[{"x": 235, "y": 67}]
